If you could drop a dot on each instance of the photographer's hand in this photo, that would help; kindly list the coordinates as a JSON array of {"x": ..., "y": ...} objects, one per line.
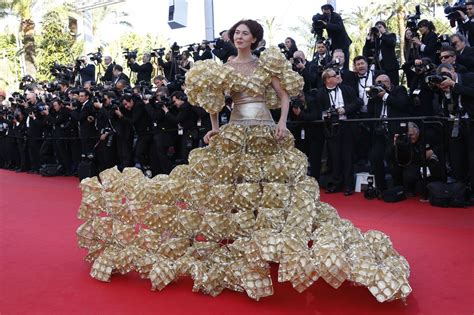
[
  {"x": 416, "y": 41},
  {"x": 103, "y": 136},
  {"x": 165, "y": 109},
  {"x": 296, "y": 111},
  {"x": 118, "y": 113},
  {"x": 341, "y": 111},
  {"x": 447, "y": 84},
  {"x": 462, "y": 15},
  {"x": 381, "y": 94},
  {"x": 98, "y": 105},
  {"x": 418, "y": 62},
  {"x": 429, "y": 154},
  {"x": 395, "y": 137}
]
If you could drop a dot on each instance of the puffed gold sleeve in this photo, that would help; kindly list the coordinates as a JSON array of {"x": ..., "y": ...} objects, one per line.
[
  {"x": 205, "y": 85},
  {"x": 275, "y": 64}
]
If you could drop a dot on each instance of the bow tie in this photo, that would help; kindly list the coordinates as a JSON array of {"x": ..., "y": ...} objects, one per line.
[
  {"x": 331, "y": 90},
  {"x": 362, "y": 77}
]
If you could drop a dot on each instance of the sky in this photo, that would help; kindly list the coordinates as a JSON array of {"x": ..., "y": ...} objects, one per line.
[{"x": 151, "y": 16}]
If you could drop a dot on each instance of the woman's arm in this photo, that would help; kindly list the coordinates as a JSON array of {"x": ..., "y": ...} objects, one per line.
[
  {"x": 215, "y": 127},
  {"x": 281, "y": 130}
]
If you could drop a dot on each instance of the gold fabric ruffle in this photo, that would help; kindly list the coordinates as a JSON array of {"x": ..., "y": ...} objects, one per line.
[
  {"x": 242, "y": 202},
  {"x": 208, "y": 80}
]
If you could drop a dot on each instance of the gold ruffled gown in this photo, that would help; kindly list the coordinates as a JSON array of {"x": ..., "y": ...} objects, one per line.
[{"x": 242, "y": 202}]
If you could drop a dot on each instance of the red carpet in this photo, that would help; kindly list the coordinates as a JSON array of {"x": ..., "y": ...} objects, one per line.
[{"x": 43, "y": 272}]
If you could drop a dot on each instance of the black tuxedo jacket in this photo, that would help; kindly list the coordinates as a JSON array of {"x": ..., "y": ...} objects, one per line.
[
  {"x": 386, "y": 46},
  {"x": 466, "y": 58},
  {"x": 465, "y": 89},
  {"x": 430, "y": 40},
  {"x": 337, "y": 32},
  {"x": 143, "y": 71},
  {"x": 122, "y": 76},
  {"x": 352, "y": 79},
  {"x": 109, "y": 74},
  {"x": 86, "y": 129},
  {"x": 352, "y": 103}
]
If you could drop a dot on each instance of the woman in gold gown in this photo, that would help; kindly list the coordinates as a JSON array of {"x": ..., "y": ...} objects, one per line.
[{"x": 242, "y": 202}]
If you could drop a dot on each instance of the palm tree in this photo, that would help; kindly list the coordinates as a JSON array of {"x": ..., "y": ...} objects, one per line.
[{"x": 22, "y": 9}]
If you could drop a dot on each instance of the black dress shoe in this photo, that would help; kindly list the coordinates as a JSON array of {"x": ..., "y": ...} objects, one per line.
[
  {"x": 348, "y": 192},
  {"x": 332, "y": 190}
]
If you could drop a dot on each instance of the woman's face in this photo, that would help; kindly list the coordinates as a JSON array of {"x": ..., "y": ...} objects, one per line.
[
  {"x": 243, "y": 38},
  {"x": 288, "y": 43}
]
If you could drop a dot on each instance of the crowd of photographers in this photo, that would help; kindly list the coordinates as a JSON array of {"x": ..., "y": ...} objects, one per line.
[{"x": 345, "y": 121}]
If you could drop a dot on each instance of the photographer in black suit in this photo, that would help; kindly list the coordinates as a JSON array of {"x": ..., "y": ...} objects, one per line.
[
  {"x": 379, "y": 49},
  {"x": 223, "y": 48},
  {"x": 187, "y": 123},
  {"x": 457, "y": 100},
  {"x": 339, "y": 103},
  {"x": 85, "y": 69},
  {"x": 59, "y": 119},
  {"x": 202, "y": 52},
  {"x": 85, "y": 116},
  {"x": 313, "y": 133},
  {"x": 144, "y": 70},
  {"x": 109, "y": 69},
  {"x": 119, "y": 75},
  {"x": 466, "y": 22},
  {"x": 465, "y": 54},
  {"x": 387, "y": 101},
  {"x": 428, "y": 42},
  {"x": 336, "y": 31},
  {"x": 361, "y": 78}
]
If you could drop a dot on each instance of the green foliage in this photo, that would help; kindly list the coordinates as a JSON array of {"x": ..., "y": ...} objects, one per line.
[
  {"x": 9, "y": 62},
  {"x": 55, "y": 44}
]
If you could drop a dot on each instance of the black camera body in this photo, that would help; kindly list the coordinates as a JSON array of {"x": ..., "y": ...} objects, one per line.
[
  {"x": 433, "y": 80},
  {"x": 412, "y": 22},
  {"x": 128, "y": 54},
  {"x": 97, "y": 56},
  {"x": 332, "y": 115},
  {"x": 158, "y": 52},
  {"x": 295, "y": 102},
  {"x": 452, "y": 13},
  {"x": 318, "y": 26},
  {"x": 374, "y": 90}
]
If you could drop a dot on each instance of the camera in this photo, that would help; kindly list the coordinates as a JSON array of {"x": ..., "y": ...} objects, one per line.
[
  {"x": 157, "y": 52},
  {"x": 381, "y": 129},
  {"x": 374, "y": 90},
  {"x": 129, "y": 54},
  {"x": 295, "y": 102},
  {"x": 318, "y": 25},
  {"x": 61, "y": 72},
  {"x": 403, "y": 146},
  {"x": 452, "y": 13},
  {"x": 370, "y": 192},
  {"x": 433, "y": 80},
  {"x": 332, "y": 115},
  {"x": 426, "y": 67},
  {"x": 412, "y": 22},
  {"x": 97, "y": 56}
]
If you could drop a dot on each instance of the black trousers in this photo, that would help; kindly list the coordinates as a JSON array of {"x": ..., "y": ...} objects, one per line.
[
  {"x": 61, "y": 150},
  {"x": 143, "y": 149},
  {"x": 187, "y": 142},
  {"x": 341, "y": 153},
  {"x": 34, "y": 146},
  {"x": 461, "y": 151},
  {"x": 376, "y": 157},
  {"x": 22, "y": 145},
  {"x": 161, "y": 144},
  {"x": 88, "y": 145},
  {"x": 125, "y": 152},
  {"x": 315, "y": 137},
  {"x": 407, "y": 176}
]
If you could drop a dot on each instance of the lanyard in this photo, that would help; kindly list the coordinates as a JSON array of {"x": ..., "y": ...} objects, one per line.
[{"x": 332, "y": 101}]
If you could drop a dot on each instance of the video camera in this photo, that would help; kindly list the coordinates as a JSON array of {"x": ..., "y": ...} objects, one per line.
[
  {"x": 412, "y": 22},
  {"x": 318, "y": 26},
  {"x": 61, "y": 72},
  {"x": 158, "y": 52},
  {"x": 97, "y": 56},
  {"x": 129, "y": 54},
  {"x": 452, "y": 13}
]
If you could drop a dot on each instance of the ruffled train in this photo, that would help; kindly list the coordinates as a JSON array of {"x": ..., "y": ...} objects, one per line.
[{"x": 242, "y": 202}]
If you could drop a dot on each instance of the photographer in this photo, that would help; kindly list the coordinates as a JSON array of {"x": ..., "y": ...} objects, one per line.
[
  {"x": 338, "y": 103},
  {"x": 303, "y": 67},
  {"x": 164, "y": 130},
  {"x": 466, "y": 22},
  {"x": 107, "y": 124},
  {"x": 119, "y": 75},
  {"x": 59, "y": 120},
  {"x": 379, "y": 49},
  {"x": 465, "y": 54},
  {"x": 85, "y": 116},
  {"x": 457, "y": 101},
  {"x": 360, "y": 79},
  {"x": 337, "y": 34},
  {"x": 140, "y": 122},
  {"x": 387, "y": 101},
  {"x": 184, "y": 63},
  {"x": 144, "y": 70},
  {"x": 224, "y": 115},
  {"x": 109, "y": 70},
  {"x": 187, "y": 123},
  {"x": 288, "y": 48},
  {"x": 427, "y": 44},
  {"x": 202, "y": 52},
  {"x": 223, "y": 47},
  {"x": 35, "y": 123},
  {"x": 409, "y": 155},
  {"x": 422, "y": 97},
  {"x": 311, "y": 132},
  {"x": 447, "y": 54},
  {"x": 85, "y": 69},
  {"x": 19, "y": 133}
]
